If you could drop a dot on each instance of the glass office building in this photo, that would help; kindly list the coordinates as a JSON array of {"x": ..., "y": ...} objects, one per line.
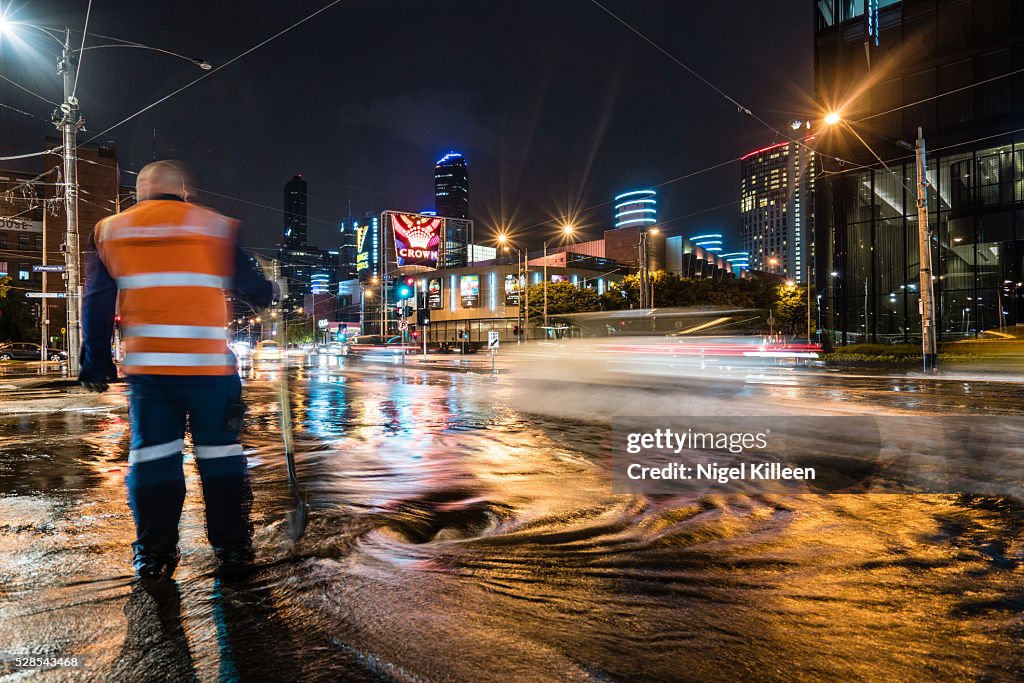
[{"x": 949, "y": 68}]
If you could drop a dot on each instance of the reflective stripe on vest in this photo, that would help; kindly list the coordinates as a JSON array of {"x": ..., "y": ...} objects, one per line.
[
  {"x": 178, "y": 360},
  {"x": 105, "y": 232},
  {"x": 175, "y": 332},
  {"x": 144, "y": 280}
]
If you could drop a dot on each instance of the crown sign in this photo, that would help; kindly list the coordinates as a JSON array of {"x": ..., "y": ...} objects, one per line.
[{"x": 420, "y": 232}]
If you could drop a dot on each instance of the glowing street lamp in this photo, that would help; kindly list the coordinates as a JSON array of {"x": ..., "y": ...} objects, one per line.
[
  {"x": 567, "y": 231},
  {"x": 522, "y": 264},
  {"x": 832, "y": 118}
]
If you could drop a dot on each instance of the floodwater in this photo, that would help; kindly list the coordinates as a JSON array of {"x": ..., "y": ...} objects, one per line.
[{"x": 464, "y": 529}]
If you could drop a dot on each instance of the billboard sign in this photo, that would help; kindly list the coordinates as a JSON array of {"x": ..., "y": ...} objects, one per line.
[
  {"x": 513, "y": 289},
  {"x": 362, "y": 247},
  {"x": 435, "y": 293},
  {"x": 469, "y": 289},
  {"x": 417, "y": 239},
  {"x": 15, "y": 223}
]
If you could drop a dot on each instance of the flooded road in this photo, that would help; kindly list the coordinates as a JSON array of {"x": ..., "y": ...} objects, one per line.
[{"x": 463, "y": 528}]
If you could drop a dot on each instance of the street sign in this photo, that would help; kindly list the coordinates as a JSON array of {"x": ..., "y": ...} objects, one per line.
[
  {"x": 322, "y": 323},
  {"x": 492, "y": 339},
  {"x": 403, "y": 325},
  {"x": 48, "y": 295},
  {"x": 56, "y": 268}
]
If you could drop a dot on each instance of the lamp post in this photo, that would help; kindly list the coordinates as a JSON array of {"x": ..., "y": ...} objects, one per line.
[
  {"x": 646, "y": 286},
  {"x": 521, "y": 321},
  {"x": 566, "y": 232},
  {"x": 68, "y": 120},
  {"x": 926, "y": 288}
]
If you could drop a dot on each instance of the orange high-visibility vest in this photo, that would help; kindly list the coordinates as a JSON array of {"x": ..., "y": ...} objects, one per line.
[{"x": 173, "y": 263}]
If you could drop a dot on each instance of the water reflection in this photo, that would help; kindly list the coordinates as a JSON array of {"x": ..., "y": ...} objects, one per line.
[{"x": 464, "y": 529}]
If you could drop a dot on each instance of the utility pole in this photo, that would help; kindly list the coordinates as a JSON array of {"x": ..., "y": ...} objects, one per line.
[
  {"x": 44, "y": 319},
  {"x": 545, "y": 290},
  {"x": 807, "y": 270},
  {"x": 68, "y": 122},
  {"x": 925, "y": 301},
  {"x": 525, "y": 303}
]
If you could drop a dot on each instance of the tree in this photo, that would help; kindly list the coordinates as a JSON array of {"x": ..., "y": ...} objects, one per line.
[
  {"x": 563, "y": 298},
  {"x": 16, "y": 320},
  {"x": 300, "y": 332},
  {"x": 790, "y": 309}
]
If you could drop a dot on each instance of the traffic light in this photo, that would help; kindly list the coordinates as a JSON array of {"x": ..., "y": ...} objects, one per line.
[
  {"x": 515, "y": 331},
  {"x": 405, "y": 288},
  {"x": 422, "y": 317}
]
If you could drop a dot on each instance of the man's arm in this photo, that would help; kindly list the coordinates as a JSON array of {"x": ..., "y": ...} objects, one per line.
[
  {"x": 250, "y": 286},
  {"x": 98, "y": 305}
]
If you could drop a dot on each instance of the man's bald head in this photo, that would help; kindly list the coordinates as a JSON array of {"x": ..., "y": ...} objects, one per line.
[{"x": 163, "y": 177}]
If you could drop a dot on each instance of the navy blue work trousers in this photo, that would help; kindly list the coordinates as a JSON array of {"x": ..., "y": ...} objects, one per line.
[{"x": 161, "y": 407}]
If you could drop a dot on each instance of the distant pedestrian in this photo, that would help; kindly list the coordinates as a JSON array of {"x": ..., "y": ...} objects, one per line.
[{"x": 165, "y": 265}]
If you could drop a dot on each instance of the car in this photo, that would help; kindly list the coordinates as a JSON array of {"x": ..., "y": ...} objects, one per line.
[
  {"x": 267, "y": 351},
  {"x": 29, "y": 351},
  {"x": 377, "y": 347}
]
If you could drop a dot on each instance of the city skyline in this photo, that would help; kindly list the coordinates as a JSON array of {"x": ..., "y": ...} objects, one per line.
[{"x": 560, "y": 140}]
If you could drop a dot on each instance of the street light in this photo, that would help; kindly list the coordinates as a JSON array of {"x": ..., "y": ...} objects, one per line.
[
  {"x": 646, "y": 287},
  {"x": 567, "y": 231},
  {"x": 926, "y": 292},
  {"x": 68, "y": 120},
  {"x": 522, "y": 264}
]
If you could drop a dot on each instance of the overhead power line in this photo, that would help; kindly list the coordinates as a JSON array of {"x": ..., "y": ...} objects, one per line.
[
  {"x": 30, "y": 92},
  {"x": 214, "y": 70}
]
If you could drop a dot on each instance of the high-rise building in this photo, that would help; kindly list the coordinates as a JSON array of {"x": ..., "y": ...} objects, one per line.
[
  {"x": 777, "y": 208},
  {"x": 347, "y": 252},
  {"x": 451, "y": 186},
  {"x": 295, "y": 212},
  {"x": 636, "y": 208},
  {"x": 951, "y": 68},
  {"x": 300, "y": 261}
]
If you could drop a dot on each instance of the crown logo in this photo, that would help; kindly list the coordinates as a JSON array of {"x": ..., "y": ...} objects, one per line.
[{"x": 420, "y": 232}]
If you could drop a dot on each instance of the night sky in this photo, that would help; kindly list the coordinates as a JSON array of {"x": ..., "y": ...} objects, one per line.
[{"x": 555, "y": 104}]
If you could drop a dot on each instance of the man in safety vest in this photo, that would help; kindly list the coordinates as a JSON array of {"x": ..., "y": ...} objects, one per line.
[{"x": 167, "y": 264}]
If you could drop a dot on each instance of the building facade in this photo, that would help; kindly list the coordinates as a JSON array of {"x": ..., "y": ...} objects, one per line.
[
  {"x": 947, "y": 67},
  {"x": 29, "y": 239},
  {"x": 451, "y": 186},
  {"x": 636, "y": 208},
  {"x": 464, "y": 304},
  {"x": 777, "y": 208}
]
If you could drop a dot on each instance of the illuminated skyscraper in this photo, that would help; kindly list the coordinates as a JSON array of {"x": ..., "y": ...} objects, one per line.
[
  {"x": 636, "y": 208},
  {"x": 451, "y": 186},
  {"x": 777, "y": 208},
  {"x": 295, "y": 212}
]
